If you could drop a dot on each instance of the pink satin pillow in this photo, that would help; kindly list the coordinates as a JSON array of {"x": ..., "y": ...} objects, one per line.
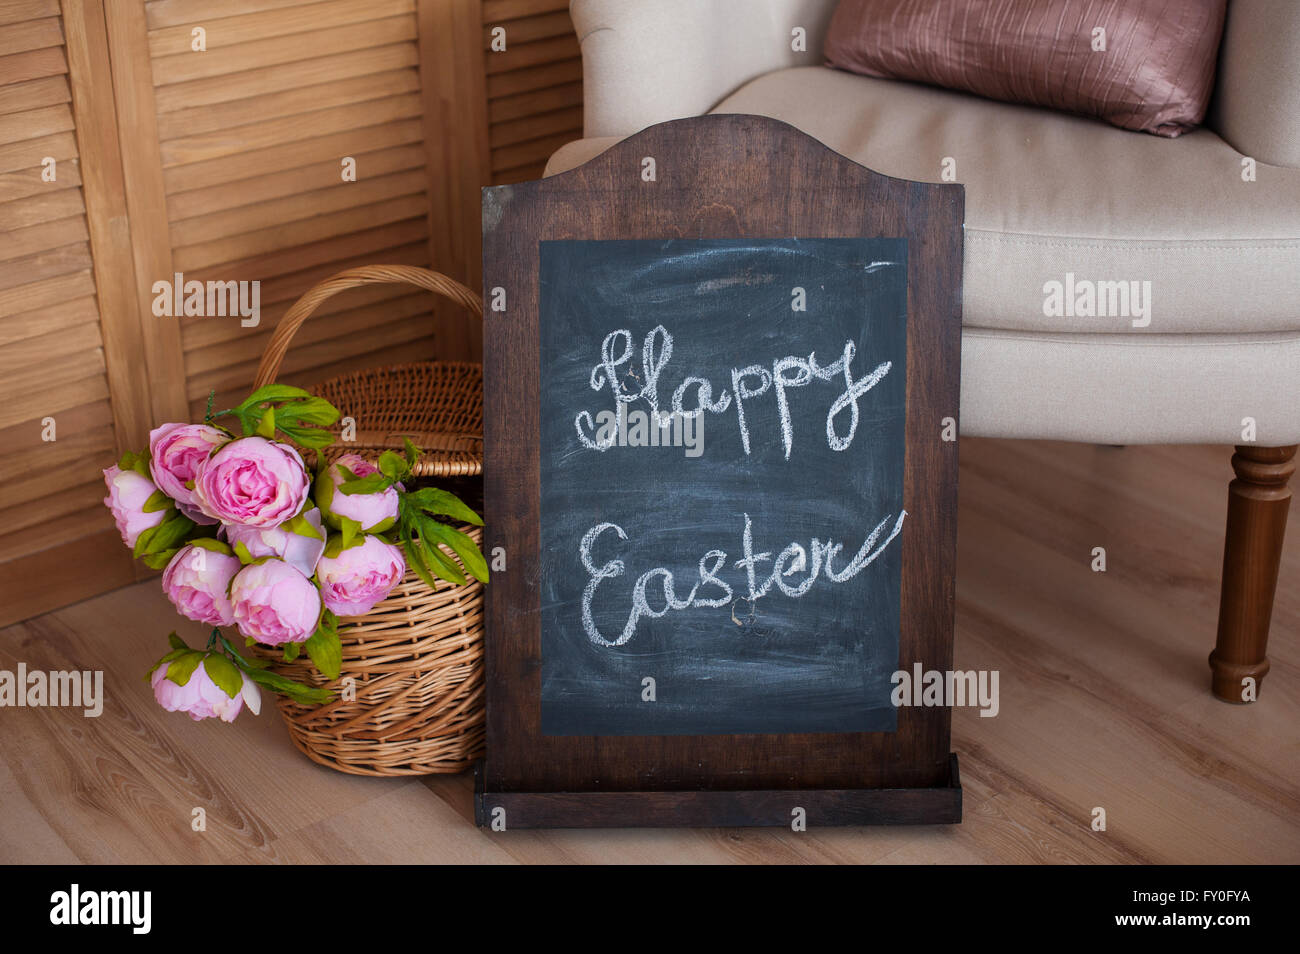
[{"x": 1156, "y": 72}]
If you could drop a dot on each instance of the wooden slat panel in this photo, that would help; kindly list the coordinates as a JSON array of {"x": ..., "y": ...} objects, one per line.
[
  {"x": 81, "y": 428},
  {"x": 257, "y": 54},
  {"x": 81, "y": 381},
  {"x": 41, "y": 582},
  {"x": 30, "y": 152},
  {"x": 533, "y": 151},
  {"x": 16, "y": 243},
  {"x": 43, "y": 265},
  {"x": 60, "y": 473},
  {"x": 34, "y": 64},
  {"x": 495, "y": 10},
  {"x": 534, "y": 127},
  {"x": 64, "y": 517},
  {"x": 31, "y": 35},
  {"x": 347, "y": 222},
  {"x": 291, "y": 260},
  {"x": 273, "y": 105},
  {"x": 199, "y": 335},
  {"x": 530, "y": 28},
  {"x": 290, "y": 155},
  {"x": 33, "y": 295},
  {"x": 165, "y": 13},
  {"x": 524, "y": 55},
  {"x": 290, "y": 182},
  {"x": 38, "y": 208},
  {"x": 36, "y": 350},
  {"x": 534, "y": 78},
  {"x": 254, "y": 83},
  {"x": 146, "y": 207},
  {"x": 342, "y": 195},
  {"x": 351, "y": 323},
  {"x": 35, "y": 123},
  {"x": 545, "y": 100},
  {"x": 42, "y": 321},
  {"x": 16, "y": 11},
  {"x": 310, "y": 367},
  {"x": 237, "y": 380},
  {"x": 289, "y": 129},
  {"x": 34, "y": 94},
  {"x": 264, "y": 23},
  {"x": 28, "y": 182}
]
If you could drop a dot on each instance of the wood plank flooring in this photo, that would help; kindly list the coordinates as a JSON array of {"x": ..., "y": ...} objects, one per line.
[{"x": 1105, "y": 703}]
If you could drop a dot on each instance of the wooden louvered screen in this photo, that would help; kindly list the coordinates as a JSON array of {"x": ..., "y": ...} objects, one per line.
[
  {"x": 225, "y": 165},
  {"x": 57, "y": 542},
  {"x": 534, "y": 86}
]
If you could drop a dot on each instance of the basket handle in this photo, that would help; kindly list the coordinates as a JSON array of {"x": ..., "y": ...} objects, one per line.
[{"x": 364, "y": 275}]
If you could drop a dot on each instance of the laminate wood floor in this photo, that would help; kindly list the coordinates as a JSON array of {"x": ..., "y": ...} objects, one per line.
[{"x": 1105, "y": 703}]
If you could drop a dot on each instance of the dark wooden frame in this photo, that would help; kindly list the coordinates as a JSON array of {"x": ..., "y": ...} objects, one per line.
[{"x": 721, "y": 176}]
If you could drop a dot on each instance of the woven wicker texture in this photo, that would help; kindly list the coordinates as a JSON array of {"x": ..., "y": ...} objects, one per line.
[{"x": 415, "y": 702}]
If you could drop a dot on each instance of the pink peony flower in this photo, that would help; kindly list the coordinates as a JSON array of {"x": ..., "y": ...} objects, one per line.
[
  {"x": 358, "y": 578},
  {"x": 202, "y": 698},
  {"x": 175, "y": 452},
  {"x": 196, "y": 581},
  {"x": 252, "y": 481},
  {"x": 298, "y": 550},
  {"x": 273, "y": 603},
  {"x": 127, "y": 494},
  {"x": 375, "y": 512}
]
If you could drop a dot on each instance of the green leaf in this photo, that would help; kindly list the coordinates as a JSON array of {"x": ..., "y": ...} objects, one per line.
[
  {"x": 182, "y": 667},
  {"x": 335, "y": 545},
  {"x": 303, "y": 527},
  {"x": 175, "y": 641},
  {"x": 435, "y": 501},
  {"x": 157, "y": 501},
  {"x": 136, "y": 462},
  {"x": 326, "y": 651},
  {"x": 313, "y": 410},
  {"x": 373, "y": 484},
  {"x": 159, "y": 561},
  {"x": 266, "y": 426},
  {"x": 296, "y": 691},
  {"x": 312, "y": 437},
  {"x": 272, "y": 392},
  {"x": 439, "y": 562},
  {"x": 241, "y": 551},
  {"x": 223, "y": 672},
  {"x": 174, "y": 654},
  {"x": 412, "y": 452},
  {"x": 350, "y": 530},
  {"x": 462, "y": 544},
  {"x": 291, "y": 651},
  {"x": 415, "y": 560},
  {"x": 166, "y": 536},
  {"x": 392, "y": 466},
  {"x": 241, "y": 661},
  {"x": 213, "y": 544}
]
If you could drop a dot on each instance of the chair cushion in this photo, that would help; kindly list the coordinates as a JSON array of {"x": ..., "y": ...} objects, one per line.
[{"x": 1050, "y": 195}]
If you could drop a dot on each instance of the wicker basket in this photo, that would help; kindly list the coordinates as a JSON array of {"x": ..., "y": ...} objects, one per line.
[{"x": 415, "y": 703}]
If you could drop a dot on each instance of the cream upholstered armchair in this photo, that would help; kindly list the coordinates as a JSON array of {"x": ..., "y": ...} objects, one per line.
[{"x": 1210, "y": 353}]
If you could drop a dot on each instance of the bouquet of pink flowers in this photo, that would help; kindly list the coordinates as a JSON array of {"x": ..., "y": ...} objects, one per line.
[{"x": 247, "y": 537}]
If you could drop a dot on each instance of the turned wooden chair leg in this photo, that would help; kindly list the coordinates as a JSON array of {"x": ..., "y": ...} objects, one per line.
[{"x": 1257, "y": 507}]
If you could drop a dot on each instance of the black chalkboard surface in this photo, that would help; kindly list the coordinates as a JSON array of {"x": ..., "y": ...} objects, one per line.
[{"x": 744, "y": 575}]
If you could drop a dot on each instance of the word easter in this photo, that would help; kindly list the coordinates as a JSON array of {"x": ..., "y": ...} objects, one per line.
[
  {"x": 816, "y": 561},
  {"x": 747, "y": 384}
]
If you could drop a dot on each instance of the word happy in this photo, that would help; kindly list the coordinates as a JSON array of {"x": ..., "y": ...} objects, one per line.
[
  {"x": 710, "y": 590},
  {"x": 748, "y": 384}
]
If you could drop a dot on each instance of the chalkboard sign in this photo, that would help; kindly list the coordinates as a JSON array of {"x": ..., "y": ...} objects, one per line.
[
  {"x": 739, "y": 572},
  {"x": 715, "y": 474}
]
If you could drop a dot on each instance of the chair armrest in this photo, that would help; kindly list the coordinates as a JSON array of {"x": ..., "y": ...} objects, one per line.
[
  {"x": 1257, "y": 97},
  {"x": 648, "y": 62}
]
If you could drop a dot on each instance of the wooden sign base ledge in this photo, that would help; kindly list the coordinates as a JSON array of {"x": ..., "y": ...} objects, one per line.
[{"x": 823, "y": 808}]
